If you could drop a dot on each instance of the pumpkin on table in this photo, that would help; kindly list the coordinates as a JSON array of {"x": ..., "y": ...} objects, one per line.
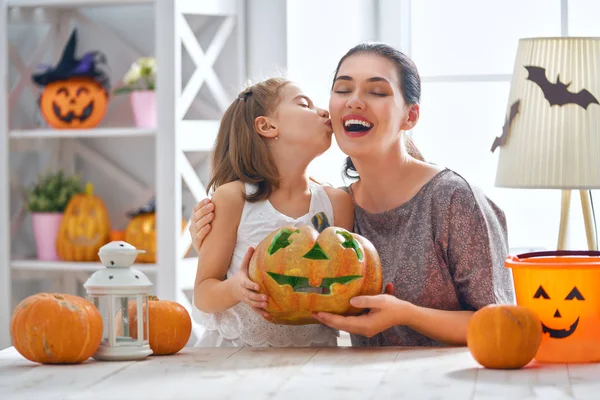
[
  {"x": 170, "y": 325},
  {"x": 56, "y": 328},
  {"x": 85, "y": 227},
  {"x": 303, "y": 271},
  {"x": 504, "y": 336}
]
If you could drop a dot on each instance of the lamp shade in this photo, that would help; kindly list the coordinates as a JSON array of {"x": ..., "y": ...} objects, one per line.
[{"x": 551, "y": 136}]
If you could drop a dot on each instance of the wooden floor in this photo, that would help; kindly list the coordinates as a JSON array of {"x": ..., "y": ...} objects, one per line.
[{"x": 307, "y": 374}]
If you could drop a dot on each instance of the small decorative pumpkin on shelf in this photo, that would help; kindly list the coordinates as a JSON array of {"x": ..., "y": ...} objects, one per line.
[
  {"x": 56, "y": 328},
  {"x": 74, "y": 103},
  {"x": 85, "y": 227},
  {"x": 303, "y": 272},
  {"x": 504, "y": 336},
  {"x": 141, "y": 231},
  {"x": 170, "y": 325},
  {"x": 75, "y": 94}
]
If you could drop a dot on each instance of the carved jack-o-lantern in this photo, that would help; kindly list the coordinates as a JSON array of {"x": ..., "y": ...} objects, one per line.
[
  {"x": 303, "y": 272},
  {"x": 74, "y": 103},
  {"x": 85, "y": 228},
  {"x": 565, "y": 293},
  {"x": 141, "y": 233}
]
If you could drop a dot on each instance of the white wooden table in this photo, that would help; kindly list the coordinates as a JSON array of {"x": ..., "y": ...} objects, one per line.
[{"x": 307, "y": 374}]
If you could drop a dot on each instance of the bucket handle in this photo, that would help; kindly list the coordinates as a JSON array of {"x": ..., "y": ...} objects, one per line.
[{"x": 590, "y": 253}]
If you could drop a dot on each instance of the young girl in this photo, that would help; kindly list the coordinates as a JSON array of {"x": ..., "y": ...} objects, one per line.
[{"x": 266, "y": 140}]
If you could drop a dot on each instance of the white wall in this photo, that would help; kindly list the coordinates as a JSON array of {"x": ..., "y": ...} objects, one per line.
[
  {"x": 318, "y": 34},
  {"x": 266, "y": 44}
]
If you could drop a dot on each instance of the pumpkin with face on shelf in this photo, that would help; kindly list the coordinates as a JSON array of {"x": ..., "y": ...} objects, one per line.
[
  {"x": 75, "y": 93},
  {"x": 85, "y": 228},
  {"x": 74, "y": 103},
  {"x": 303, "y": 271},
  {"x": 563, "y": 289},
  {"x": 141, "y": 231}
]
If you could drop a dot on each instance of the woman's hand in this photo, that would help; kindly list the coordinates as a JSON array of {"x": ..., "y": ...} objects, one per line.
[
  {"x": 202, "y": 216},
  {"x": 385, "y": 311},
  {"x": 244, "y": 290}
]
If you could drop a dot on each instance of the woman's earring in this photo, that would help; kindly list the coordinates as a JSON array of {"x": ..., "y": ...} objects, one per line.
[{"x": 276, "y": 137}]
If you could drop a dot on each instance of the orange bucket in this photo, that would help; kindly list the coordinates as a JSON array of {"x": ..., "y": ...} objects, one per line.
[{"x": 563, "y": 288}]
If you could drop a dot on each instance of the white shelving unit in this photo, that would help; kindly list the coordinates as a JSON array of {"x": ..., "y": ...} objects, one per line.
[{"x": 174, "y": 136}]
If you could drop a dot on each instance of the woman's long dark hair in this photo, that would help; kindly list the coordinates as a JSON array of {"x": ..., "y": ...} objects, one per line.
[{"x": 410, "y": 85}]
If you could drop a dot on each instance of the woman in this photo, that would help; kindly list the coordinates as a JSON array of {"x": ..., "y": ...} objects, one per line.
[{"x": 442, "y": 243}]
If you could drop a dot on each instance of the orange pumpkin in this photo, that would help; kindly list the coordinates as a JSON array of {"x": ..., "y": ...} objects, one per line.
[
  {"x": 141, "y": 233},
  {"x": 303, "y": 272},
  {"x": 170, "y": 325},
  {"x": 74, "y": 103},
  {"x": 504, "y": 336},
  {"x": 56, "y": 328},
  {"x": 85, "y": 228}
]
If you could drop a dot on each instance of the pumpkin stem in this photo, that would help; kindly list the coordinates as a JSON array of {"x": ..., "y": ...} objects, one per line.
[
  {"x": 89, "y": 189},
  {"x": 58, "y": 297},
  {"x": 152, "y": 298}
]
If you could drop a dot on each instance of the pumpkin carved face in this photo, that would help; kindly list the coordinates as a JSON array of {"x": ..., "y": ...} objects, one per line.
[
  {"x": 85, "y": 228},
  {"x": 303, "y": 272},
  {"x": 74, "y": 103}
]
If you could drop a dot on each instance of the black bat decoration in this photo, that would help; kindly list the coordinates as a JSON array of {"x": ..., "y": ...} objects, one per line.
[
  {"x": 558, "y": 93},
  {"x": 501, "y": 140}
]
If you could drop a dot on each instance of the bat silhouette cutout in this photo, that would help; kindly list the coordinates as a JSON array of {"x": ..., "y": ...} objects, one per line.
[
  {"x": 501, "y": 140},
  {"x": 558, "y": 93}
]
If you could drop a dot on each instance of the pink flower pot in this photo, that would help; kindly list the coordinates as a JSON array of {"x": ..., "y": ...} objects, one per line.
[
  {"x": 143, "y": 103},
  {"x": 45, "y": 231}
]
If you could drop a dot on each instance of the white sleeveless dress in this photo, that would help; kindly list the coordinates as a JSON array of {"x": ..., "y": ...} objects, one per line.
[{"x": 240, "y": 325}]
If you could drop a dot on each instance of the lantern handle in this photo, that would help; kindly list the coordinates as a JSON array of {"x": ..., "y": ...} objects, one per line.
[{"x": 590, "y": 253}]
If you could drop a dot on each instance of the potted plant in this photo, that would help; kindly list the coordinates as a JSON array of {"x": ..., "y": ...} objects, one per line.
[
  {"x": 47, "y": 201},
  {"x": 140, "y": 84}
]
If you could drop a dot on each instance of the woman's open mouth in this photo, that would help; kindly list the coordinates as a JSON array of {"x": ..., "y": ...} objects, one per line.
[{"x": 356, "y": 125}]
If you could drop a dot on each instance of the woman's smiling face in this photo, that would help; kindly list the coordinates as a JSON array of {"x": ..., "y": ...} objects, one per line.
[{"x": 367, "y": 106}]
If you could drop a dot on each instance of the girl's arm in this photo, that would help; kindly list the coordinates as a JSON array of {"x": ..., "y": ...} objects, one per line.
[
  {"x": 212, "y": 291},
  {"x": 343, "y": 208}
]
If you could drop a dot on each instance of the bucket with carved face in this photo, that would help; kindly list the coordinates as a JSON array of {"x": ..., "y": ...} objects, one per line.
[{"x": 563, "y": 288}]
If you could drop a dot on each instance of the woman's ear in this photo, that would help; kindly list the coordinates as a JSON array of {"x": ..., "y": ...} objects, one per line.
[
  {"x": 265, "y": 127},
  {"x": 412, "y": 117}
]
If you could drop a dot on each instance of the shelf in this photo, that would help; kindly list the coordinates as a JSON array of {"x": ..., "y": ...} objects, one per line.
[
  {"x": 37, "y": 265},
  {"x": 81, "y": 133},
  {"x": 74, "y": 3}
]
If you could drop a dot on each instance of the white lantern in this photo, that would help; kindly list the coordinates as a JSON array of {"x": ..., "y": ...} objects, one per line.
[{"x": 114, "y": 290}]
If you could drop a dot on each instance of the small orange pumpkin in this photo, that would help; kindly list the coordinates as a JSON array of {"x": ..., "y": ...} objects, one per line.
[
  {"x": 303, "y": 271},
  {"x": 503, "y": 336},
  {"x": 74, "y": 103},
  {"x": 140, "y": 232},
  {"x": 170, "y": 325},
  {"x": 85, "y": 228},
  {"x": 56, "y": 328}
]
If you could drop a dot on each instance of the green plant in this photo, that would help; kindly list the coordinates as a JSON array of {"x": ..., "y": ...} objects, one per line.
[
  {"x": 141, "y": 76},
  {"x": 53, "y": 192}
]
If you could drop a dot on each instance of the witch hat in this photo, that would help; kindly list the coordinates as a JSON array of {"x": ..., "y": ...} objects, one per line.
[{"x": 68, "y": 66}]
